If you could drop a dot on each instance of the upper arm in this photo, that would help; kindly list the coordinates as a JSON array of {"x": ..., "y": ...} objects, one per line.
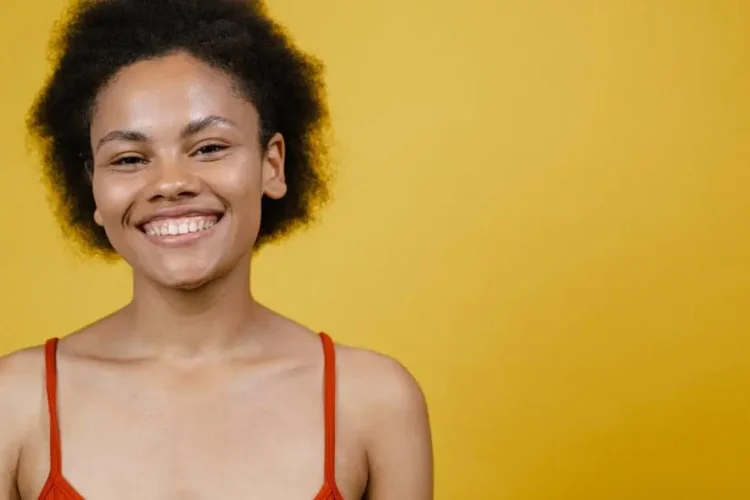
[
  {"x": 398, "y": 438},
  {"x": 15, "y": 415}
]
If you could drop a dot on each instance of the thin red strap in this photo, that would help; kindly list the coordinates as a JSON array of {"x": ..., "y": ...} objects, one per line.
[
  {"x": 50, "y": 361},
  {"x": 329, "y": 389}
]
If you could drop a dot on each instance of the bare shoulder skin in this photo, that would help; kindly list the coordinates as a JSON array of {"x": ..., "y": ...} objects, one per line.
[
  {"x": 21, "y": 397},
  {"x": 387, "y": 404},
  {"x": 124, "y": 415}
]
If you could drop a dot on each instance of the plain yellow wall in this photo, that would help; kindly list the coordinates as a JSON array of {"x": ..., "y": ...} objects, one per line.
[{"x": 542, "y": 210}]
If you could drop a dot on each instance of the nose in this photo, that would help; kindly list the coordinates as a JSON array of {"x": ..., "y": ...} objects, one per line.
[{"x": 173, "y": 181}]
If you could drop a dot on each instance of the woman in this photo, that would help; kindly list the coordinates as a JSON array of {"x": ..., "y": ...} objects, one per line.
[{"x": 181, "y": 135}]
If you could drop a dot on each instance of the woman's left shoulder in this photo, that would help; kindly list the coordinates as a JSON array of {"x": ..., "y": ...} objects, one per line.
[
  {"x": 377, "y": 383},
  {"x": 384, "y": 405}
]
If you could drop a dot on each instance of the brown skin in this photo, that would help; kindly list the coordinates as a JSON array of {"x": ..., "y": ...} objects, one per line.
[{"x": 195, "y": 390}]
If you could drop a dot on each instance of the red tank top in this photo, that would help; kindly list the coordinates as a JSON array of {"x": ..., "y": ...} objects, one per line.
[{"x": 58, "y": 488}]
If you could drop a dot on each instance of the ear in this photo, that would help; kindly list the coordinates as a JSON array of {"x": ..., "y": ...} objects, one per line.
[
  {"x": 98, "y": 217},
  {"x": 89, "y": 169},
  {"x": 274, "y": 180}
]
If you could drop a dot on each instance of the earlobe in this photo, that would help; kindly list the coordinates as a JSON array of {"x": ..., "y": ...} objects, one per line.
[
  {"x": 275, "y": 189},
  {"x": 98, "y": 218}
]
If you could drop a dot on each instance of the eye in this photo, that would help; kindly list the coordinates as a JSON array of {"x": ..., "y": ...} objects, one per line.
[
  {"x": 210, "y": 149},
  {"x": 128, "y": 161}
]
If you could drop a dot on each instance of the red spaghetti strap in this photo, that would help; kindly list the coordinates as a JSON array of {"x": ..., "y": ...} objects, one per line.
[
  {"x": 329, "y": 384},
  {"x": 50, "y": 361}
]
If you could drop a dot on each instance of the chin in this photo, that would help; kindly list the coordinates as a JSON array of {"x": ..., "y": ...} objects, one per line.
[
  {"x": 185, "y": 277},
  {"x": 185, "y": 283}
]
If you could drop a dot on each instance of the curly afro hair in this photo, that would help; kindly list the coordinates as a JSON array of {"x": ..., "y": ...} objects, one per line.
[{"x": 99, "y": 37}]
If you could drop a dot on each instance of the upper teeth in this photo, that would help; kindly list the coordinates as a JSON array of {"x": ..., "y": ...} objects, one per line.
[{"x": 171, "y": 227}]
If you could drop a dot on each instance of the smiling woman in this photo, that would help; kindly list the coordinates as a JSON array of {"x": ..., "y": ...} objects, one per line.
[
  {"x": 180, "y": 136},
  {"x": 175, "y": 146}
]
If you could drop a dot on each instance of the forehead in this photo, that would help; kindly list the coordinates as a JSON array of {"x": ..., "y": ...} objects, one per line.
[{"x": 169, "y": 92}]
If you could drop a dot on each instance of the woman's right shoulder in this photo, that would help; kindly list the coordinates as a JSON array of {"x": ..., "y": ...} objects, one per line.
[
  {"x": 21, "y": 397},
  {"x": 21, "y": 367},
  {"x": 22, "y": 387}
]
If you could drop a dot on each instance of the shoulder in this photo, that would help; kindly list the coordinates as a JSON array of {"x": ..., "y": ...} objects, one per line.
[
  {"x": 21, "y": 378},
  {"x": 21, "y": 397},
  {"x": 378, "y": 388},
  {"x": 388, "y": 407}
]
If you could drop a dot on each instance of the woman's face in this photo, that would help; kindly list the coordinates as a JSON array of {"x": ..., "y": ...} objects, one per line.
[{"x": 179, "y": 172}]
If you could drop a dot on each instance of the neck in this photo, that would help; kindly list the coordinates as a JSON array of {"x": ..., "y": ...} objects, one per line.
[{"x": 186, "y": 323}]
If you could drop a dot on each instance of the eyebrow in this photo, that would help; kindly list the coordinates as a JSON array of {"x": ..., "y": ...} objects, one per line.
[{"x": 191, "y": 128}]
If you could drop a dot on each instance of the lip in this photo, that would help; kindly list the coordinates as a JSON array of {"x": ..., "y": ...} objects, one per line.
[
  {"x": 179, "y": 240},
  {"x": 177, "y": 212}
]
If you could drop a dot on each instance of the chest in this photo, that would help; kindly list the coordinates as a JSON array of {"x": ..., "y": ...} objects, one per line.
[{"x": 206, "y": 437}]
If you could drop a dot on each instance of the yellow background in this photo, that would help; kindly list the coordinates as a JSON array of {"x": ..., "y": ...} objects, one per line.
[{"x": 542, "y": 210}]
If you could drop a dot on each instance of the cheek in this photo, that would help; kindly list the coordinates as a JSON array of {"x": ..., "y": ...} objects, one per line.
[
  {"x": 241, "y": 189},
  {"x": 241, "y": 186},
  {"x": 112, "y": 199}
]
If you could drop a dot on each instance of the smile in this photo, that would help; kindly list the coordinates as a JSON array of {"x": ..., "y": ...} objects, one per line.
[{"x": 179, "y": 226}]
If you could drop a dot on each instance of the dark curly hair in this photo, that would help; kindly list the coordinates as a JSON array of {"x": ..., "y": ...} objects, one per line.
[{"x": 99, "y": 37}]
